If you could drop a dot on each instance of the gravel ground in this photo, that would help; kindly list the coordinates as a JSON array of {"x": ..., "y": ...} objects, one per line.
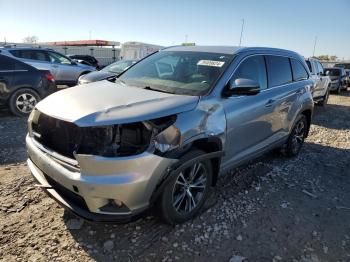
[{"x": 274, "y": 209}]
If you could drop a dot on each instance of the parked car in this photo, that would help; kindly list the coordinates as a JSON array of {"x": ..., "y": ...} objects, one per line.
[
  {"x": 347, "y": 78},
  {"x": 322, "y": 82},
  {"x": 22, "y": 86},
  {"x": 345, "y": 66},
  {"x": 88, "y": 59},
  {"x": 162, "y": 132},
  {"x": 112, "y": 70},
  {"x": 338, "y": 78},
  {"x": 65, "y": 70}
]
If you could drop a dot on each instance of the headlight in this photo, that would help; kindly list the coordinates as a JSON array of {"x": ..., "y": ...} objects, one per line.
[{"x": 168, "y": 139}]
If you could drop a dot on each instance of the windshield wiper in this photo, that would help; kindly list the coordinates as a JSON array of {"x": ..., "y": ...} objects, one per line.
[{"x": 158, "y": 90}]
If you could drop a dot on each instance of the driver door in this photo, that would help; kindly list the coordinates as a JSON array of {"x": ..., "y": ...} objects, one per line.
[
  {"x": 250, "y": 119},
  {"x": 64, "y": 69}
]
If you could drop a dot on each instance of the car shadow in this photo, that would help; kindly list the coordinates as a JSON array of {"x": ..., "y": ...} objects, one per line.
[
  {"x": 12, "y": 140},
  {"x": 133, "y": 240},
  {"x": 333, "y": 116}
]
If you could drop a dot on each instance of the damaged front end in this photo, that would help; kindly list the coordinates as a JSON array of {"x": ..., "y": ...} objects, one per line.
[{"x": 67, "y": 139}]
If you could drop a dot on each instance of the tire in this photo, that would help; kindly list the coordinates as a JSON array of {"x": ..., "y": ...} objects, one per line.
[
  {"x": 324, "y": 100},
  {"x": 338, "y": 91},
  {"x": 23, "y": 101},
  {"x": 297, "y": 136},
  {"x": 175, "y": 203}
]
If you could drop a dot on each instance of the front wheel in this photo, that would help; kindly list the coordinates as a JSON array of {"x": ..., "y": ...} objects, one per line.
[
  {"x": 23, "y": 101},
  {"x": 297, "y": 136},
  {"x": 185, "y": 194}
]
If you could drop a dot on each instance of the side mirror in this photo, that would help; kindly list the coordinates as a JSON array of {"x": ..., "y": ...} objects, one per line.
[
  {"x": 242, "y": 86},
  {"x": 74, "y": 62}
]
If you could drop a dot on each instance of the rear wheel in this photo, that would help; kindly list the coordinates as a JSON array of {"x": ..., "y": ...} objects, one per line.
[
  {"x": 324, "y": 100},
  {"x": 23, "y": 101},
  {"x": 185, "y": 194},
  {"x": 296, "y": 137}
]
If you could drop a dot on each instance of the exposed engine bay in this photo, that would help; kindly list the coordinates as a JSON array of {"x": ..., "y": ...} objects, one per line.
[{"x": 68, "y": 139}]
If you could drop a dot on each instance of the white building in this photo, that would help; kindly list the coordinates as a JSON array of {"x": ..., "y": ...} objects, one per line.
[{"x": 137, "y": 50}]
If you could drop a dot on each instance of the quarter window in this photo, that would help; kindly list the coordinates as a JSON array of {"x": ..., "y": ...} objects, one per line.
[
  {"x": 252, "y": 68},
  {"x": 299, "y": 71},
  {"x": 279, "y": 70}
]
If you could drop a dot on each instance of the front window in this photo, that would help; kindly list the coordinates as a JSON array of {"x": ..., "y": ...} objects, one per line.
[
  {"x": 118, "y": 67},
  {"x": 58, "y": 59},
  {"x": 190, "y": 73},
  {"x": 345, "y": 65},
  {"x": 332, "y": 72}
]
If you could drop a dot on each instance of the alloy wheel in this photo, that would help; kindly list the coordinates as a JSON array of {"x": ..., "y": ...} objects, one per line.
[
  {"x": 189, "y": 188},
  {"x": 298, "y": 136},
  {"x": 25, "y": 103}
]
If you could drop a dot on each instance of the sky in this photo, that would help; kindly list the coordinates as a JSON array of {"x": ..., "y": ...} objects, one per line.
[{"x": 288, "y": 24}]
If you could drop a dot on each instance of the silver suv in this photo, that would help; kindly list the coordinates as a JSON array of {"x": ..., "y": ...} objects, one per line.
[
  {"x": 65, "y": 70},
  {"x": 165, "y": 129}
]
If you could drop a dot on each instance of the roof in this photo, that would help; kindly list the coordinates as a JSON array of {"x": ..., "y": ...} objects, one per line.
[
  {"x": 95, "y": 42},
  {"x": 227, "y": 49}
]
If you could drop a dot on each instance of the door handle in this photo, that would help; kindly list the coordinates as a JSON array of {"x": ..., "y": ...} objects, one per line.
[
  {"x": 270, "y": 102},
  {"x": 55, "y": 66}
]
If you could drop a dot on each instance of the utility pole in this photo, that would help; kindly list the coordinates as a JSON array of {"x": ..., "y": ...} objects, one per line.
[
  {"x": 240, "y": 39},
  {"x": 186, "y": 38},
  {"x": 313, "y": 52}
]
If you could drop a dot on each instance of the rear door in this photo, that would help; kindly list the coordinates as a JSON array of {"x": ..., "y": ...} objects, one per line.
[
  {"x": 6, "y": 77},
  {"x": 323, "y": 81},
  {"x": 283, "y": 93}
]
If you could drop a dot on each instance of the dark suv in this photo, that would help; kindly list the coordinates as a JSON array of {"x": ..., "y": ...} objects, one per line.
[
  {"x": 22, "y": 86},
  {"x": 86, "y": 59}
]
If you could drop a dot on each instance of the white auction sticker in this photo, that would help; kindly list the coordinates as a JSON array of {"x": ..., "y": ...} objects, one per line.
[{"x": 210, "y": 63}]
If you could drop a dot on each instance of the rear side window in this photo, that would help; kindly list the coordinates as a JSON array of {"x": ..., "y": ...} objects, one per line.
[
  {"x": 252, "y": 68},
  {"x": 30, "y": 54},
  {"x": 279, "y": 70},
  {"x": 299, "y": 71},
  {"x": 6, "y": 63}
]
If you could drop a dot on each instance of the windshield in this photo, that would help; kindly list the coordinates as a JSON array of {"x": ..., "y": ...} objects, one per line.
[
  {"x": 332, "y": 72},
  {"x": 118, "y": 67},
  {"x": 345, "y": 66},
  {"x": 191, "y": 73}
]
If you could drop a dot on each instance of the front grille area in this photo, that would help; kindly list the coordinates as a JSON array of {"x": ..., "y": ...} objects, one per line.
[
  {"x": 60, "y": 136},
  {"x": 66, "y": 138}
]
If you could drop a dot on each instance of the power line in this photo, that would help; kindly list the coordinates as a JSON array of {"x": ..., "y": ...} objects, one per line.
[
  {"x": 313, "y": 52},
  {"x": 240, "y": 39}
]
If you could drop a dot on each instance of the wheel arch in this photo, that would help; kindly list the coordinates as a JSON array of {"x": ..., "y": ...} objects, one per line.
[
  {"x": 209, "y": 145},
  {"x": 308, "y": 114}
]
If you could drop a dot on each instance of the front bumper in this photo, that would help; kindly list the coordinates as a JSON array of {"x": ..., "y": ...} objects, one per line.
[
  {"x": 90, "y": 189},
  {"x": 334, "y": 86}
]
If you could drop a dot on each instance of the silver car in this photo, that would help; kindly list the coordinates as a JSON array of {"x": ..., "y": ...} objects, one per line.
[
  {"x": 164, "y": 130},
  {"x": 65, "y": 70}
]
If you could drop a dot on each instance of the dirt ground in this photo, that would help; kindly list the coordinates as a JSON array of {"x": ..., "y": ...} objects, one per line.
[{"x": 274, "y": 209}]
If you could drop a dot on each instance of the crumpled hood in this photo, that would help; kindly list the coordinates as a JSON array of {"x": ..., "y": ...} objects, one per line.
[{"x": 106, "y": 103}]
